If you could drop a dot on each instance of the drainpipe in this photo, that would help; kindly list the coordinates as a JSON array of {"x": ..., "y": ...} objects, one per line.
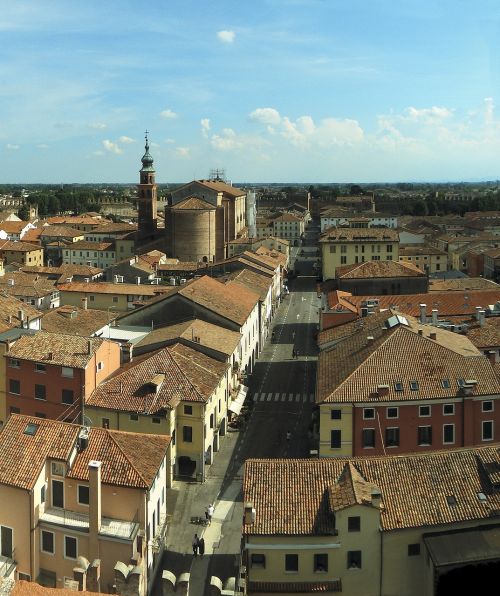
[{"x": 381, "y": 562}]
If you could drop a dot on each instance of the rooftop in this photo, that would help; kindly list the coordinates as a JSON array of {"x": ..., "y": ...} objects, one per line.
[
  {"x": 127, "y": 459},
  {"x": 14, "y": 246},
  {"x": 359, "y": 235},
  {"x": 378, "y": 269},
  {"x": 114, "y": 288},
  {"x": 194, "y": 203},
  {"x": 276, "y": 488},
  {"x": 71, "y": 320},
  {"x": 55, "y": 348},
  {"x": 462, "y": 284}
]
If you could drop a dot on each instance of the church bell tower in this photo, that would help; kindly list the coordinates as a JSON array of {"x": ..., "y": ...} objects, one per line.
[{"x": 146, "y": 197}]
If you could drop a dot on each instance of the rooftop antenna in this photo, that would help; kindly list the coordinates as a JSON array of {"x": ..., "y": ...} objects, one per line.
[{"x": 217, "y": 175}]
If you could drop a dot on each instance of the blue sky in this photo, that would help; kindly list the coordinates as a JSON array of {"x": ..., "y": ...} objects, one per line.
[{"x": 271, "y": 90}]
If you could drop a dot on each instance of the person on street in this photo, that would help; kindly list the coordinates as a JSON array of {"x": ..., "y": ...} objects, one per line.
[
  {"x": 293, "y": 353},
  {"x": 196, "y": 544},
  {"x": 201, "y": 546},
  {"x": 210, "y": 511}
]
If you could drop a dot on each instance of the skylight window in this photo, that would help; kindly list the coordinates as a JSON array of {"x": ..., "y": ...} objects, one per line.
[
  {"x": 451, "y": 500},
  {"x": 482, "y": 497},
  {"x": 446, "y": 383},
  {"x": 31, "y": 429},
  {"x": 461, "y": 382},
  {"x": 414, "y": 385},
  {"x": 398, "y": 386}
]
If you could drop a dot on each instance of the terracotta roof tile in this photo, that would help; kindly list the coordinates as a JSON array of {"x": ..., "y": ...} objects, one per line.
[
  {"x": 87, "y": 245},
  {"x": 232, "y": 302},
  {"x": 371, "y": 269},
  {"x": 352, "y": 370},
  {"x": 189, "y": 376},
  {"x": 60, "y": 232},
  {"x": 127, "y": 459},
  {"x": 223, "y": 187},
  {"x": 24, "y": 588},
  {"x": 194, "y": 203},
  {"x": 71, "y": 320},
  {"x": 13, "y": 246},
  {"x": 252, "y": 280},
  {"x": 10, "y": 309},
  {"x": 358, "y": 235},
  {"x": 112, "y": 288},
  {"x": 462, "y": 284},
  {"x": 289, "y": 495},
  {"x": 487, "y": 336},
  {"x": 54, "y": 348}
]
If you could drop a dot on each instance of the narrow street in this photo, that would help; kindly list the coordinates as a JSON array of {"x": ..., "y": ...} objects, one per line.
[{"x": 282, "y": 389}]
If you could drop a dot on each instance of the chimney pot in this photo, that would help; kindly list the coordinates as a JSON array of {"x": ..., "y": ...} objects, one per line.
[
  {"x": 434, "y": 316},
  {"x": 492, "y": 356},
  {"x": 423, "y": 316},
  {"x": 420, "y": 331},
  {"x": 482, "y": 317},
  {"x": 89, "y": 346},
  {"x": 478, "y": 310},
  {"x": 432, "y": 335},
  {"x": 85, "y": 303},
  {"x": 370, "y": 339}
]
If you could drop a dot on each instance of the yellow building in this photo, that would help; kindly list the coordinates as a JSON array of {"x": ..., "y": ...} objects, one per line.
[
  {"x": 427, "y": 258},
  {"x": 177, "y": 391},
  {"x": 21, "y": 252},
  {"x": 102, "y": 295},
  {"x": 396, "y": 526},
  {"x": 348, "y": 246},
  {"x": 75, "y": 502}
]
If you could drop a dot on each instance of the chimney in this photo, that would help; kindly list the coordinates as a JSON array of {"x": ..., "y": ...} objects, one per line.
[
  {"x": 370, "y": 339},
  {"x": 482, "y": 317},
  {"x": 432, "y": 335},
  {"x": 492, "y": 356},
  {"x": 94, "y": 508},
  {"x": 10, "y": 282},
  {"x": 423, "y": 316},
  {"x": 376, "y": 497},
  {"x": 382, "y": 390},
  {"x": 89, "y": 346},
  {"x": 249, "y": 514},
  {"x": 127, "y": 350},
  {"x": 364, "y": 311},
  {"x": 420, "y": 331},
  {"x": 434, "y": 316},
  {"x": 85, "y": 303},
  {"x": 10, "y": 319},
  {"x": 20, "y": 316},
  {"x": 51, "y": 355},
  {"x": 138, "y": 280},
  {"x": 478, "y": 310}
]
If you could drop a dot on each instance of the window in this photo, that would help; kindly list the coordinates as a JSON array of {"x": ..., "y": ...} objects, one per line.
[
  {"x": 392, "y": 412},
  {"x": 335, "y": 439},
  {"x": 461, "y": 382},
  {"x": 91, "y": 298},
  {"x": 57, "y": 493},
  {"x": 414, "y": 385},
  {"x": 354, "y": 559},
  {"x": 424, "y": 411},
  {"x": 83, "y": 494},
  {"x": 115, "y": 298},
  {"x": 336, "y": 414},
  {"x": 291, "y": 563},
  {"x": 67, "y": 396},
  {"x": 41, "y": 368},
  {"x": 448, "y": 433},
  {"x": 15, "y": 386},
  {"x": 100, "y": 365},
  {"x": 187, "y": 434},
  {"x": 392, "y": 437},
  {"x": 368, "y": 413},
  {"x": 448, "y": 409},
  {"x": 43, "y": 493},
  {"x": 134, "y": 417},
  {"x": 14, "y": 363},
  {"x": 40, "y": 392},
  {"x": 321, "y": 563},
  {"x": 368, "y": 437},
  {"x": 47, "y": 543},
  {"x": 425, "y": 435},
  {"x": 105, "y": 422},
  {"x": 451, "y": 500},
  {"x": 413, "y": 550},
  {"x": 156, "y": 420},
  {"x": 487, "y": 406},
  {"x": 258, "y": 561},
  {"x": 487, "y": 430},
  {"x": 67, "y": 371},
  {"x": 70, "y": 547},
  {"x": 188, "y": 410},
  {"x": 343, "y": 248},
  {"x": 354, "y": 524},
  {"x": 343, "y": 260},
  {"x": 398, "y": 386},
  {"x": 333, "y": 249}
]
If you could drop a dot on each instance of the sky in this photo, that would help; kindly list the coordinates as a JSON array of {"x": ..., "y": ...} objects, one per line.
[{"x": 270, "y": 90}]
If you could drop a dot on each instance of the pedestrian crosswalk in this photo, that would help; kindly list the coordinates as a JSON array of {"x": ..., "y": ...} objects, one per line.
[{"x": 284, "y": 397}]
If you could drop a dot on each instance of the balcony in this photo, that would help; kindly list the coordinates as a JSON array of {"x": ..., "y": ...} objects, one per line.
[{"x": 112, "y": 528}]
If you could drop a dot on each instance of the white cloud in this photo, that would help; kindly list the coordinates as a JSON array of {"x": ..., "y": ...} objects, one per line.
[
  {"x": 226, "y": 141},
  {"x": 429, "y": 114},
  {"x": 111, "y": 147},
  {"x": 11, "y": 147},
  {"x": 126, "y": 140},
  {"x": 266, "y": 116},
  {"x": 42, "y": 146},
  {"x": 226, "y": 36},
  {"x": 328, "y": 132},
  {"x": 205, "y": 127},
  {"x": 98, "y": 125},
  {"x": 170, "y": 141},
  {"x": 489, "y": 109},
  {"x": 183, "y": 152},
  {"x": 168, "y": 114}
]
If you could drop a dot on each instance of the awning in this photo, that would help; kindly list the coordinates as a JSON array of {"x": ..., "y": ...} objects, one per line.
[
  {"x": 455, "y": 549},
  {"x": 236, "y": 405}
]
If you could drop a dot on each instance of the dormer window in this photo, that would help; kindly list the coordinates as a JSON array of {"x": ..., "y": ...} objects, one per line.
[
  {"x": 398, "y": 386},
  {"x": 461, "y": 382},
  {"x": 414, "y": 385},
  {"x": 445, "y": 383}
]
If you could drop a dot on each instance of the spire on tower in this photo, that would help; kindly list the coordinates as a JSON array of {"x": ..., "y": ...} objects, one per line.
[{"x": 147, "y": 160}]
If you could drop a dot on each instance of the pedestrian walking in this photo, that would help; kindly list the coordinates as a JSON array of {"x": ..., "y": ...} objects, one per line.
[
  {"x": 210, "y": 511},
  {"x": 201, "y": 546},
  {"x": 293, "y": 352},
  {"x": 196, "y": 545},
  {"x": 206, "y": 515}
]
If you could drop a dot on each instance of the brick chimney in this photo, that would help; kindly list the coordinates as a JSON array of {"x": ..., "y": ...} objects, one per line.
[
  {"x": 85, "y": 303},
  {"x": 435, "y": 316},
  {"x": 423, "y": 316},
  {"x": 492, "y": 356},
  {"x": 94, "y": 508}
]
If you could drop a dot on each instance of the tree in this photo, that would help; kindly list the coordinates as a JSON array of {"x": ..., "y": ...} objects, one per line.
[
  {"x": 24, "y": 213},
  {"x": 420, "y": 208}
]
